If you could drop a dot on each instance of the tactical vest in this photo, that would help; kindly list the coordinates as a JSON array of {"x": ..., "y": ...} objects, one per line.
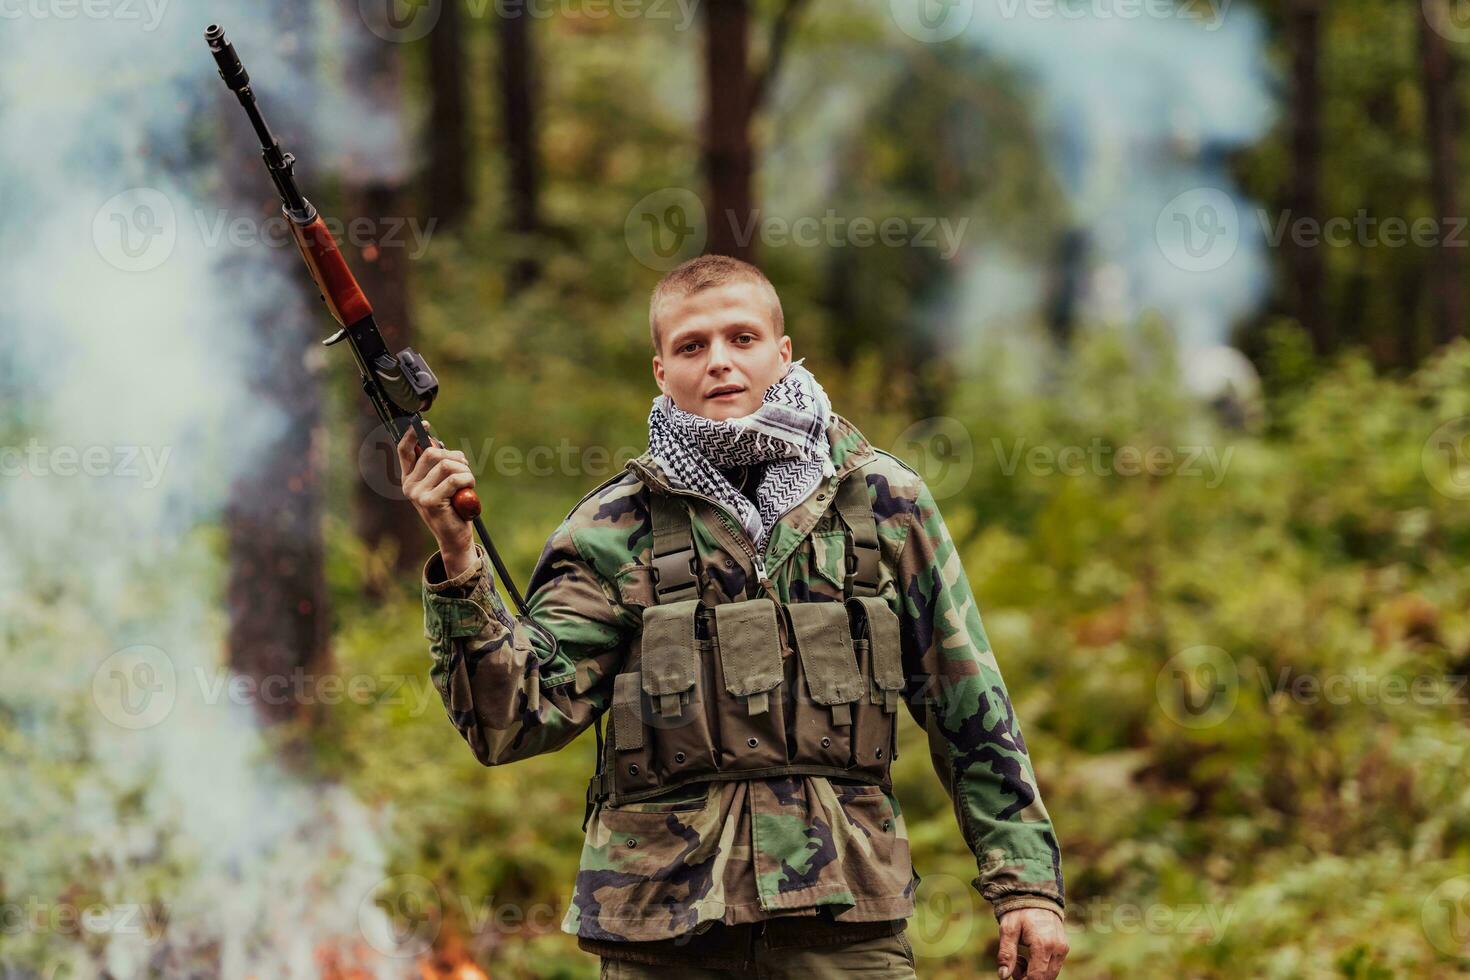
[{"x": 754, "y": 688}]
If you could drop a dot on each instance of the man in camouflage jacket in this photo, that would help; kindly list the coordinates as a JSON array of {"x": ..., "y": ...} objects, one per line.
[{"x": 805, "y": 873}]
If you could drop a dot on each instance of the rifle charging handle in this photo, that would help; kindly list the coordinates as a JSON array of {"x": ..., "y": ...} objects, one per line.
[{"x": 466, "y": 503}]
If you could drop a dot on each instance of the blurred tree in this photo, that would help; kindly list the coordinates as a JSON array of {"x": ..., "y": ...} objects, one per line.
[
  {"x": 1304, "y": 38},
  {"x": 1067, "y": 277},
  {"x": 275, "y": 582},
  {"x": 447, "y": 190},
  {"x": 517, "y": 81},
  {"x": 733, "y": 95},
  {"x": 1440, "y": 131},
  {"x": 376, "y": 187},
  {"x": 950, "y": 138}
]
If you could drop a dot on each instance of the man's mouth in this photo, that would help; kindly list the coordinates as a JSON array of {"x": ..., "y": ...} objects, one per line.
[{"x": 724, "y": 390}]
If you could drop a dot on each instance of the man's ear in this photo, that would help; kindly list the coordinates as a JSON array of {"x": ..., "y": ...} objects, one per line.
[
  {"x": 786, "y": 348},
  {"x": 658, "y": 373}
]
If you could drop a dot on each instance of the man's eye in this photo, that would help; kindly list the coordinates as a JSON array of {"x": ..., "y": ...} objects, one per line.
[
  {"x": 687, "y": 348},
  {"x": 748, "y": 337}
]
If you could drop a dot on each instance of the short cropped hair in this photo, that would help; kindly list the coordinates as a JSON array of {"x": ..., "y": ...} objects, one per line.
[{"x": 707, "y": 272}]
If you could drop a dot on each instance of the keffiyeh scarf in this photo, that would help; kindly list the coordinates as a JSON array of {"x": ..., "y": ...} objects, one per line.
[{"x": 788, "y": 432}]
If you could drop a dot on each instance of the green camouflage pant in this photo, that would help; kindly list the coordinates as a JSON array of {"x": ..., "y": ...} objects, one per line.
[{"x": 886, "y": 958}]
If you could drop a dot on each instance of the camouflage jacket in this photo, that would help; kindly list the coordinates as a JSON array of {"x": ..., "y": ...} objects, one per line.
[{"x": 742, "y": 851}]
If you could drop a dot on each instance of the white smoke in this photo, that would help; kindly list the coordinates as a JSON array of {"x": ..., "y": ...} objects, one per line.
[
  {"x": 128, "y": 779},
  {"x": 1139, "y": 104}
]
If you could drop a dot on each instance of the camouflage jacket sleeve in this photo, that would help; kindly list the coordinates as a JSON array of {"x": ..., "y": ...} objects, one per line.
[
  {"x": 957, "y": 695},
  {"x": 512, "y": 691}
]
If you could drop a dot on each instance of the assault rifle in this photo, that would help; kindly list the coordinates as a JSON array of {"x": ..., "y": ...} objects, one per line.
[{"x": 400, "y": 386}]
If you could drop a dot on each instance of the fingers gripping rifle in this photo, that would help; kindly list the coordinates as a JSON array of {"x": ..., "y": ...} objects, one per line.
[{"x": 400, "y": 386}]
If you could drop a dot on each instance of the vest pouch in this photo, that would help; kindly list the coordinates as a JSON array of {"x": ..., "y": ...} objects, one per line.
[
  {"x": 831, "y": 683},
  {"x": 875, "y": 715},
  {"x": 632, "y": 755},
  {"x": 752, "y": 720},
  {"x": 677, "y": 674}
]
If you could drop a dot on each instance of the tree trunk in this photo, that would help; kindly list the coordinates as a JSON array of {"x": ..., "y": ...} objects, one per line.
[
  {"x": 275, "y": 582},
  {"x": 376, "y": 195},
  {"x": 729, "y": 161},
  {"x": 518, "y": 110},
  {"x": 1068, "y": 275},
  {"x": 1304, "y": 37},
  {"x": 382, "y": 518},
  {"x": 448, "y": 193},
  {"x": 1445, "y": 270},
  {"x": 377, "y": 204}
]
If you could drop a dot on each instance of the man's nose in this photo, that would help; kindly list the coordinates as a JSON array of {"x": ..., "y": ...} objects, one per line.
[{"x": 719, "y": 357}]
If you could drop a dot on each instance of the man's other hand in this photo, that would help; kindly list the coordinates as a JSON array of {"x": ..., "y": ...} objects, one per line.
[{"x": 1045, "y": 935}]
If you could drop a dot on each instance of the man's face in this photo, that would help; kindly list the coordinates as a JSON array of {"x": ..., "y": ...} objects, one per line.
[{"x": 718, "y": 350}]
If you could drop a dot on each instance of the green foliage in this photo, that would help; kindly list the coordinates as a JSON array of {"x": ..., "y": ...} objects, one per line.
[{"x": 1297, "y": 835}]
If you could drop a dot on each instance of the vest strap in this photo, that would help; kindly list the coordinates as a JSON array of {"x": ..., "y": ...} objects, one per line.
[
  {"x": 863, "y": 558},
  {"x": 627, "y": 710},
  {"x": 674, "y": 568}
]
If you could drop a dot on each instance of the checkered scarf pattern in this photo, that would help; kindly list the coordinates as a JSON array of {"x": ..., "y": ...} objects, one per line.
[{"x": 788, "y": 432}]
